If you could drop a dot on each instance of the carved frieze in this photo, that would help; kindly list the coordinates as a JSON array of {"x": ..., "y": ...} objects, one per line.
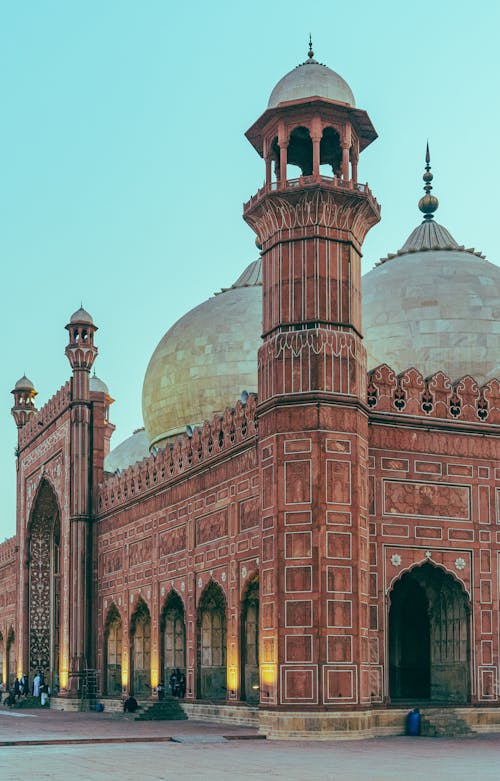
[
  {"x": 211, "y": 527},
  {"x": 431, "y": 500}
]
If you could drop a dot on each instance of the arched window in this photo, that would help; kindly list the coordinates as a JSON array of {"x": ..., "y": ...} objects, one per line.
[
  {"x": 113, "y": 671},
  {"x": 141, "y": 650},
  {"x": 250, "y": 688},
  {"x": 212, "y": 640}
]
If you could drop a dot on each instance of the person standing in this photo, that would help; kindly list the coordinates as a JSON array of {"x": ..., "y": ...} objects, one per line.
[{"x": 37, "y": 680}]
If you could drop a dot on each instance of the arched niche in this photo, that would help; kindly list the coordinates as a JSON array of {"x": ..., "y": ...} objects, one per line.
[
  {"x": 140, "y": 656},
  {"x": 10, "y": 658},
  {"x": 172, "y": 637},
  {"x": 300, "y": 150},
  {"x": 429, "y": 637},
  {"x": 212, "y": 644},
  {"x": 44, "y": 592},
  {"x": 113, "y": 634},
  {"x": 249, "y": 642}
]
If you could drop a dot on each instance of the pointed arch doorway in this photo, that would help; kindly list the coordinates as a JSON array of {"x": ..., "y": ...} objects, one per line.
[
  {"x": 44, "y": 592},
  {"x": 429, "y": 630}
]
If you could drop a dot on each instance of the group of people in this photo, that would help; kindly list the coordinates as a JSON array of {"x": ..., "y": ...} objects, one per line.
[
  {"x": 177, "y": 684},
  {"x": 22, "y": 688}
]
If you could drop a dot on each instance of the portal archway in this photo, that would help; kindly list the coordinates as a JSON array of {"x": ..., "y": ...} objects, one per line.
[
  {"x": 429, "y": 647},
  {"x": 250, "y": 643},
  {"x": 44, "y": 591},
  {"x": 113, "y": 649},
  {"x": 173, "y": 637},
  {"x": 212, "y": 640},
  {"x": 10, "y": 659},
  {"x": 141, "y": 650}
]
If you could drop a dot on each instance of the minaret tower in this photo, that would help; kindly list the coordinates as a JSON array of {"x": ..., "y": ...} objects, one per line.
[
  {"x": 24, "y": 401},
  {"x": 81, "y": 353},
  {"x": 313, "y": 424}
]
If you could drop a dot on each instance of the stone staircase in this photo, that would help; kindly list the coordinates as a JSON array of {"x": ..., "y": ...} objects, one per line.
[
  {"x": 443, "y": 722},
  {"x": 168, "y": 709}
]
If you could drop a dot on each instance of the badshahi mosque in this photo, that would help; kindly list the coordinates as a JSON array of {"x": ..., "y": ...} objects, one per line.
[{"x": 306, "y": 523}]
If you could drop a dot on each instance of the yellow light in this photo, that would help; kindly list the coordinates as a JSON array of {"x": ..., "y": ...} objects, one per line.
[
  {"x": 232, "y": 678},
  {"x": 63, "y": 678},
  {"x": 155, "y": 675},
  {"x": 268, "y": 675},
  {"x": 125, "y": 671}
]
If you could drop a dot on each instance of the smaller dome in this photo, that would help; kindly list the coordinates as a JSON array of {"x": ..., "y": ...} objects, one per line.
[
  {"x": 81, "y": 316},
  {"x": 98, "y": 386},
  {"x": 308, "y": 80},
  {"x": 128, "y": 452},
  {"x": 24, "y": 384}
]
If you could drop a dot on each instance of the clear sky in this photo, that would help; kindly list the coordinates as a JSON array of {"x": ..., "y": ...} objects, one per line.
[{"x": 124, "y": 165}]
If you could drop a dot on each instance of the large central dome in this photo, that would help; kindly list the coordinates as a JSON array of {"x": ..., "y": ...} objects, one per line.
[{"x": 205, "y": 360}]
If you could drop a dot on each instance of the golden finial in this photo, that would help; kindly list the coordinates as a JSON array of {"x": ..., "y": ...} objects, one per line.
[{"x": 428, "y": 204}]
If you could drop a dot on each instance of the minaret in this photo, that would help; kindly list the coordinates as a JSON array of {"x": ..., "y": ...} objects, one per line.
[
  {"x": 81, "y": 353},
  {"x": 24, "y": 401},
  {"x": 313, "y": 424}
]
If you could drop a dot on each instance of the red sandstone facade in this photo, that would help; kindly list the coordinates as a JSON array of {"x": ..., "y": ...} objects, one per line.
[{"x": 277, "y": 554}]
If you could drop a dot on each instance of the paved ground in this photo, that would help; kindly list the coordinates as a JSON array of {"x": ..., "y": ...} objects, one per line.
[{"x": 190, "y": 750}]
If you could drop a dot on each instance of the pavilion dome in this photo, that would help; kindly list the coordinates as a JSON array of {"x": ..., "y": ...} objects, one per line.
[
  {"x": 24, "y": 384},
  {"x": 128, "y": 452},
  {"x": 205, "y": 359},
  {"x": 311, "y": 79},
  {"x": 81, "y": 316}
]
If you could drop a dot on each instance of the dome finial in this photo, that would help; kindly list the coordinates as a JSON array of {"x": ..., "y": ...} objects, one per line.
[
  {"x": 428, "y": 204},
  {"x": 310, "y": 53}
]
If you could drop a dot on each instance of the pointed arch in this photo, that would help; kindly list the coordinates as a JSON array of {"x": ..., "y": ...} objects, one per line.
[
  {"x": 2, "y": 659},
  {"x": 212, "y": 643},
  {"x": 172, "y": 637},
  {"x": 140, "y": 649},
  {"x": 113, "y": 635},
  {"x": 429, "y": 636},
  {"x": 44, "y": 593},
  {"x": 10, "y": 658},
  {"x": 438, "y": 565},
  {"x": 249, "y": 640}
]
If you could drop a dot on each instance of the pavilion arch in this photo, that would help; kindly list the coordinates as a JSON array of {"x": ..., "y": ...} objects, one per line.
[
  {"x": 113, "y": 638},
  {"x": 300, "y": 150},
  {"x": 211, "y": 633},
  {"x": 140, "y": 650},
  {"x": 331, "y": 150},
  {"x": 44, "y": 591},
  {"x": 10, "y": 658},
  {"x": 249, "y": 640},
  {"x": 172, "y": 636},
  {"x": 429, "y": 636}
]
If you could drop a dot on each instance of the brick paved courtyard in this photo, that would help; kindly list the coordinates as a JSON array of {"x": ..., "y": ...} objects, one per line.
[{"x": 119, "y": 748}]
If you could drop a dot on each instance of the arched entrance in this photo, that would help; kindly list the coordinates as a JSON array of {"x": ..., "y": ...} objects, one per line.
[
  {"x": 429, "y": 655},
  {"x": 250, "y": 643},
  {"x": 113, "y": 650},
  {"x": 212, "y": 639},
  {"x": 141, "y": 650},
  {"x": 44, "y": 585},
  {"x": 10, "y": 660},
  {"x": 172, "y": 637}
]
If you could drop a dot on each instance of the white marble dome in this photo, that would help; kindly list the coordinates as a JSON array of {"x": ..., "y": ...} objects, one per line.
[
  {"x": 311, "y": 79},
  {"x": 205, "y": 360},
  {"x": 433, "y": 305}
]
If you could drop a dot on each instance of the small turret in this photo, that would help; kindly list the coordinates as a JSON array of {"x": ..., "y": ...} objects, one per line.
[
  {"x": 24, "y": 401},
  {"x": 81, "y": 351}
]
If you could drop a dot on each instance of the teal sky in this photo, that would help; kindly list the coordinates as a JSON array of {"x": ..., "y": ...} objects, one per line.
[{"x": 124, "y": 164}]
